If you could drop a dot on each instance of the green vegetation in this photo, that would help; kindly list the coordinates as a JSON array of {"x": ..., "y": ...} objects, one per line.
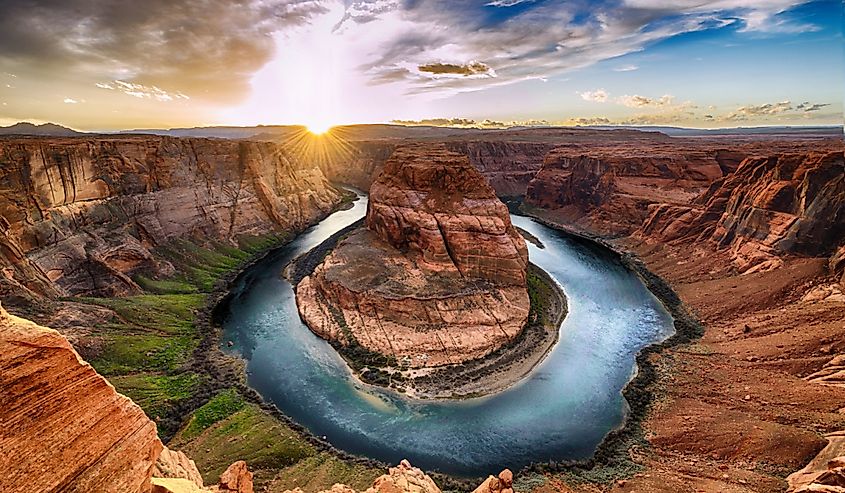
[
  {"x": 218, "y": 408},
  {"x": 319, "y": 472},
  {"x": 157, "y": 393},
  {"x": 249, "y": 434},
  {"x": 146, "y": 349},
  {"x": 539, "y": 293}
]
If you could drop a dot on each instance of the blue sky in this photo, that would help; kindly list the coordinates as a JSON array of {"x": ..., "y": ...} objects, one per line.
[{"x": 702, "y": 63}]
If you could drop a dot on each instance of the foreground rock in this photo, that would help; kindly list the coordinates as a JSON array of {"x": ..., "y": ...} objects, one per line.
[
  {"x": 83, "y": 216},
  {"x": 405, "y": 478},
  {"x": 63, "y": 427},
  {"x": 437, "y": 277}
]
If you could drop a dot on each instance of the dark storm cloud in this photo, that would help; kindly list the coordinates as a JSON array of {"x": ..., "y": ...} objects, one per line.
[{"x": 208, "y": 48}]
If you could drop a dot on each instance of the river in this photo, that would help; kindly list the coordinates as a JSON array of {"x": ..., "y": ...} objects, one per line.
[{"x": 560, "y": 411}]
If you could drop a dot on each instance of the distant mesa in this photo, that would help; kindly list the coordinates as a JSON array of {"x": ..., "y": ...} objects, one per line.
[
  {"x": 43, "y": 130},
  {"x": 436, "y": 277}
]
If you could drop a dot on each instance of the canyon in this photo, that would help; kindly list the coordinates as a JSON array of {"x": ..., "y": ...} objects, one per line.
[
  {"x": 83, "y": 217},
  {"x": 436, "y": 277},
  {"x": 748, "y": 232}
]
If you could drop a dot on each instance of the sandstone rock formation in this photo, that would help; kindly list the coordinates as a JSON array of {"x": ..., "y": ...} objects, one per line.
[
  {"x": 784, "y": 204},
  {"x": 62, "y": 426},
  {"x": 405, "y": 478},
  {"x": 81, "y": 216},
  {"x": 825, "y": 473},
  {"x": 610, "y": 189},
  {"x": 437, "y": 277},
  {"x": 508, "y": 166}
]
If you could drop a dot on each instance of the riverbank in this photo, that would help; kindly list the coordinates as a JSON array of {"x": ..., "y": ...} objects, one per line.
[
  {"x": 615, "y": 457},
  {"x": 735, "y": 407},
  {"x": 490, "y": 374}
]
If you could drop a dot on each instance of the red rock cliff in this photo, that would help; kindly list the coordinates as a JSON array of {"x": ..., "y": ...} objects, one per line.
[
  {"x": 784, "y": 204},
  {"x": 80, "y": 215},
  {"x": 436, "y": 278}
]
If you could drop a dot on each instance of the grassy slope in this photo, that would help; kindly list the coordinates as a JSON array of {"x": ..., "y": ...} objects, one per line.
[{"x": 147, "y": 354}]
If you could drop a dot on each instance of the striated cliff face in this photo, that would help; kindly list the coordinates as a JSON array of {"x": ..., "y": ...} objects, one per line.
[
  {"x": 62, "y": 426},
  {"x": 431, "y": 201},
  {"x": 784, "y": 204},
  {"x": 438, "y": 275},
  {"x": 81, "y": 216},
  {"x": 508, "y": 166},
  {"x": 611, "y": 188}
]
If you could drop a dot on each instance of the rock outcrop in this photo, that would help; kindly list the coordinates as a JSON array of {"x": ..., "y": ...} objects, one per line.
[
  {"x": 826, "y": 472},
  {"x": 508, "y": 166},
  {"x": 81, "y": 216},
  {"x": 438, "y": 275},
  {"x": 610, "y": 189},
  {"x": 62, "y": 426},
  {"x": 406, "y": 478},
  {"x": 769, "y": 207}
]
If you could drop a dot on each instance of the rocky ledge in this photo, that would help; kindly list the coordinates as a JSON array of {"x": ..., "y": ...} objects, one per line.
[{"x": 437, "y": 277}]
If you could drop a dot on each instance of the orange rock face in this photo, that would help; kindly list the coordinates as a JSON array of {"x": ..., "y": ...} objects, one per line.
[
  {"x": 62, "y": 426},
  {"x": 81, "y": 216},
  {"x": 436, "y": 278},
  {"x": 790, "y": 203},
  {"x": 433, "y": 202}
]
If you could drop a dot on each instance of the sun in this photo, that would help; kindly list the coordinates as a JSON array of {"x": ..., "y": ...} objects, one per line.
[{"x": 318, "y": 127}]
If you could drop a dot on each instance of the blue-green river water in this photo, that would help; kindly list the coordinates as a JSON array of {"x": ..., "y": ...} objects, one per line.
[{"x": 561, "y": 410}]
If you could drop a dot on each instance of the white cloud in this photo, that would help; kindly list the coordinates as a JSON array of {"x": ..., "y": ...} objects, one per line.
[
  {"x": 626, "y": 68},
  {"x": 70, "y": 101},
  {"x": 597, "y": 96},
  {"x": 141, "y": 91},
  {"x": 506, "y": 3},
  {"x": 637, "y": 101}
]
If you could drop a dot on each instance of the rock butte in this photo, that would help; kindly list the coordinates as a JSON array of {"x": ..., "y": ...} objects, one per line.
[{"x": 437, "y": 276}]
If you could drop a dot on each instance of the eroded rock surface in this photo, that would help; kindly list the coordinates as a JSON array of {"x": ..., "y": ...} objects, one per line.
[
  {"x": 406, "y": 478},
  {"x": 437, "y": 277},
  {"x": 769, "y": 207},
  {"x": 63, "y": 427},
  {"x": 81, "y": 216}
]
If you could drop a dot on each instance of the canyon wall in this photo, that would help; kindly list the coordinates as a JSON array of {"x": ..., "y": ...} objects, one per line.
[
  {"x": 508, "y": 166},
  {"x": 769, "y": 207},
  {"x": 81, "y": 216},
  {"x": 611, "y": 188},
  {"x": 62, "y": 426},
  {"x": 437, "y": 276}
]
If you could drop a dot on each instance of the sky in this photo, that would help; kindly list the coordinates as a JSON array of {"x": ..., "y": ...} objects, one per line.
[{"x": 120, "y": 64}]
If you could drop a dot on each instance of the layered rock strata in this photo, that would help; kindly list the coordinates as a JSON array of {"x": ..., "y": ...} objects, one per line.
[
  {"x": 62, "y": 426},
  {"x": 81, "y": 216},
  {"x": 767, "y": 208},
  {"x": 437, "y": 277}
]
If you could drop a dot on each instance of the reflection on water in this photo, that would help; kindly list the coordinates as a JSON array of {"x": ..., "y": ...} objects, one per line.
[{"x": 562, "y": 410}]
